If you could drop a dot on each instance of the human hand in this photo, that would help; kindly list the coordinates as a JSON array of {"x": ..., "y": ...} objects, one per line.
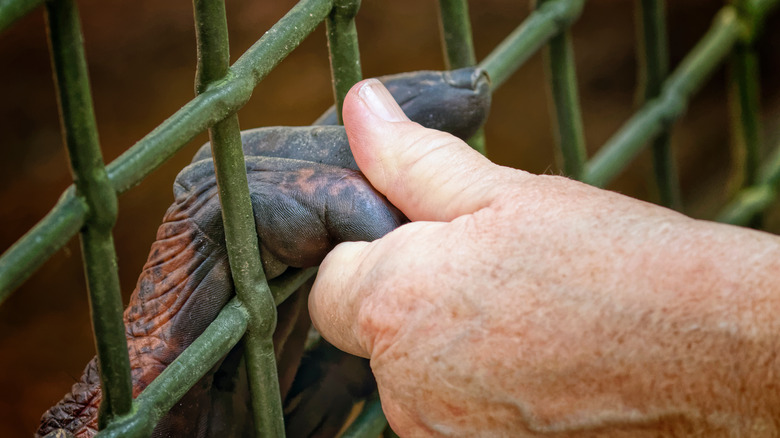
[{"x": 519, "y": 304}]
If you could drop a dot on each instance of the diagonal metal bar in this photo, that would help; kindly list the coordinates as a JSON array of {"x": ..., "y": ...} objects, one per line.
[
  {"x": 284, "y": 285},
  {"x": 548, "y": 20},
  {"x": 752, "y": 200},
  {"x": 89, "y": 174},
  {"x": 163, "y": 142},
  {"x": 369, "y": 423},
  {"x": 657, "y": 115},
  {"x": 194, "y": 362},
  {"x": 12, "y": 10},
  {"x": 747, "y": 203},
  {"x": 184, "y": 372},
  {"x": 49, "y": 235}
]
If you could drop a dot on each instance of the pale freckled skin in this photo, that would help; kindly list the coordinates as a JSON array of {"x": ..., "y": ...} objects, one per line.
[
  {"x": 561, "y": 361},
  {"x": 524, "y": 305}
]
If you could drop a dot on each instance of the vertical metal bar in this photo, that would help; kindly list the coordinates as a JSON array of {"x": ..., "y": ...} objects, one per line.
[
  {"x": 458, "y": 47},
  {"x": 240, "y": 235},
  {"x": 658, "y": 114},
  {"x": 89, "y": 174},
  {"x": 456, "y": 34},
  {"x": 344, "y": 51},
  {"x": 12, "y": 10},
  {"x": 744, "y": 106},
  {"x": 212, "y": 43},
  {"x": 653, "y": 67},
  {"x": 248, "y": 276},
  {"x": 551, "y": 18},
  {"x": 562, "y": 75}
]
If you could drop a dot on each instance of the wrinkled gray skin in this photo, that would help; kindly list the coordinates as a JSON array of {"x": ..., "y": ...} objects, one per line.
[
  {"x": 307, "y": 196},
  {"x": 456, "y": 102},
  {"x": 422, "y": 95}
]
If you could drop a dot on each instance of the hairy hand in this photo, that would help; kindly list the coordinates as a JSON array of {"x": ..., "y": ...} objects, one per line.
[{"x": 518, "y": 304}]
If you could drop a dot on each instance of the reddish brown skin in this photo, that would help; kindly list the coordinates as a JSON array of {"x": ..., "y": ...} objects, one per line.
[
  {"x": 186, "y": 280},
  {"x": 303, "y": 208}
]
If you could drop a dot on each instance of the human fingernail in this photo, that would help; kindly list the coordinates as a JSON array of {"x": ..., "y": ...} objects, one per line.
[{"x": 381, "y": 102}]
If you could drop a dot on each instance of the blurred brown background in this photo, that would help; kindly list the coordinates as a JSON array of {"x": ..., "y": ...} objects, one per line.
[{"x": 141, "y": 57}]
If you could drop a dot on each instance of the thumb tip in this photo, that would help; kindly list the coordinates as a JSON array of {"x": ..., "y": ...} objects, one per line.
[{"x": 422, "y": 171}]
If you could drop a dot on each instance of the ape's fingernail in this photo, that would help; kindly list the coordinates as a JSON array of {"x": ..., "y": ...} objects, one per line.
[{"x": 381, "y": 102}]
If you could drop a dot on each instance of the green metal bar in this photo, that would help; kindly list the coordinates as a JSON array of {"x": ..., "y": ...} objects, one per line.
[
  {"x": 12, "y": 10},
  {"x": 456, "y": 34},
  {"x": 284, "y": 285},
  {"x": 344, "y": 50},
  {"x": 753, "y": 200},
  {"x": 548, "y": 20},
  {"x": 657, "y": 115},
  {"x": 281, "y": 39},
  {"x": 653, "y": 68},
  {"x": 184, "y": 372},
  {"x": 81, "y": 138},
  {"x": 220, "y": 99},
  {"x": 753, "y": 12},
  {"x": 46, "y": 237},
  {"x": 747, "y": 204},
  {"x": 458, "y": 46},
  {"x": 770, "y": 171},
  {"x": 369, "y": 423},
  {"x": 168, "y": 138},
  {"x": 744, "y": 105},
  {"x": 211, "y": 36},
  {"x": 248, "y": 276},
  {"x": 240, "y": 236},
  {"x": 744, "y": 98},
  {"x": 195, "y": 361},
  {"x": 562, "y": 75}
]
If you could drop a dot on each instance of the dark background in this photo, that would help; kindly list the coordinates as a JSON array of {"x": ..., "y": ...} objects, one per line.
[{"x": 141, "y": 58}]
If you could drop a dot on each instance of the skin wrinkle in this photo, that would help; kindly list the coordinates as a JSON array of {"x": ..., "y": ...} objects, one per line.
[
  {"x": 195, "y": 197},
  {"x": 186, "y": 283},
  {"x": 602, "y": 344},
  {"x": 171, "y": 276},
  {"x": 166, "y": 252},
  {"x": 158, "y": 309},
  {"x": 435, "y": 145}
]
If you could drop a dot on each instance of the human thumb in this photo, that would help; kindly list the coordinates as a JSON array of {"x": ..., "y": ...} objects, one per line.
[{"x": 428, "y": 174}]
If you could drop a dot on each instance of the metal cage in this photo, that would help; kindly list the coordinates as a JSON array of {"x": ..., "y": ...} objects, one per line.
[{"x": 89, "y": 206}]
